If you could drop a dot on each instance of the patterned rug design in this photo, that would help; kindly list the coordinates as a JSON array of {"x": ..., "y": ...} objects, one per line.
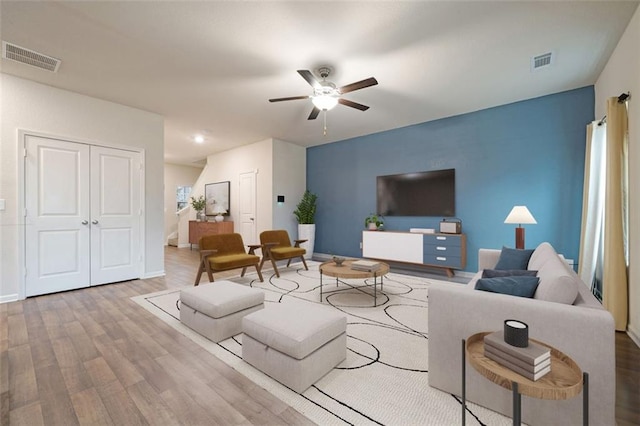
[{"x": 384, "y": 379}]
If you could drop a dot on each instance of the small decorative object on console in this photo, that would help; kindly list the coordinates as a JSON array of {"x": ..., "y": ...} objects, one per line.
[
  {"x": 516, "y": 333},
  {"x": 451, "y": 226},
  {"x": 374, "y": 222}
]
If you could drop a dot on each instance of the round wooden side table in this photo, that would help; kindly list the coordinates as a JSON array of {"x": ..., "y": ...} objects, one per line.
[
  {"x": 344, "y": 271},
  {"x": 564, "y": 381}
]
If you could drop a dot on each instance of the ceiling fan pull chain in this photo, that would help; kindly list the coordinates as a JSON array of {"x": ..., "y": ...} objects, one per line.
[{"x": 325, "y": 123}]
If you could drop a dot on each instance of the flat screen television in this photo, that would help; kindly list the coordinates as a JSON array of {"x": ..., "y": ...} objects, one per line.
[{"x": 430, "y": 193}]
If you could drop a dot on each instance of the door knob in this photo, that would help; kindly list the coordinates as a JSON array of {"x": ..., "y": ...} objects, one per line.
[
  {"x": 84, "y": 222},
  {"x": 252, "y": 218},
  {"x": 95, "y": 222}
]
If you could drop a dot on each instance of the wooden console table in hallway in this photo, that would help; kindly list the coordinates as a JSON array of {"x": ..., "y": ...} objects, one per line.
[{"x": 198, "y": 229}]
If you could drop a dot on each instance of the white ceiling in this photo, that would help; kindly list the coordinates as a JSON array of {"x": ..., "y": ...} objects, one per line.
[{"x": 210, "y": 66}]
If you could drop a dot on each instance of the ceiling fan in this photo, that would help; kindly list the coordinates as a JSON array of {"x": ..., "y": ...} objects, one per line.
[{"x": 326, "y": 95}]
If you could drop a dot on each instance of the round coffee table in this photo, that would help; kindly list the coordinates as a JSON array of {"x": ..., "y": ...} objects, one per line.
[{"x": 344, "y": 271}]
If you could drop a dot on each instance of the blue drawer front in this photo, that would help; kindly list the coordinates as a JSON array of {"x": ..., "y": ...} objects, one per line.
[
  {"x": 443, "y": 240},
  {"x": 443, "y": 260},
  {"x": 441, "y": 250}
]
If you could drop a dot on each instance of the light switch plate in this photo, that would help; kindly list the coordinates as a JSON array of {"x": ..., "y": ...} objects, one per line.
[{"x": 2, "y": 204}]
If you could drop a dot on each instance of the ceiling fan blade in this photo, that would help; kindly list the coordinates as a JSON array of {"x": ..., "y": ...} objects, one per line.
[
  {"x": 292, "y": 98},
  {"x": 314, "y": 114},
  {"x": 311, "y": 79},
  {"x": 358, "y": 85},
  {"x": 352, "y": 104}
]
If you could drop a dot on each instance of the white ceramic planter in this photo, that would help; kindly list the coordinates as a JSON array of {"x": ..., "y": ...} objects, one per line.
[{"x": 307, "y": 232}]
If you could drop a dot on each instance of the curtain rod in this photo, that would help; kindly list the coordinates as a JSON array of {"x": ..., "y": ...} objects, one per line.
[{"x": 624, "y": 97}]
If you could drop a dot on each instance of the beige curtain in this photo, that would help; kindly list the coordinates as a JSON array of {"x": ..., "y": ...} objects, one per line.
[
  {"x": 615, "y": 282},
  {"x": 591, "y": 235}
]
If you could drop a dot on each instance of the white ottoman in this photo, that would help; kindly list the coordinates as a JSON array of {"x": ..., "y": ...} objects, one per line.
[
  {"x": 295, "y": 344},
  {"x": 215, "y": 310}
]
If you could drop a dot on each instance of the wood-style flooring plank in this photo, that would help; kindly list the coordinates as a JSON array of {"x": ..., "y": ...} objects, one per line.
[
  {"x": 119, "y": 405},
  {"x": 23, "y": 388},
  {"x": 151, "y": 405},
  {"x": 54, "y": 399},
  {"x": 27, "y": 415},
  {"x": 89, "y": 408}
]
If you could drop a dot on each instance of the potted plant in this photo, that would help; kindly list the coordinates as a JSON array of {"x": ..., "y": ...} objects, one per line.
[
  {"x": 198, "y": 205},
  {"x": 374, "y": 222},
  {"x": 305, "y": 213}
]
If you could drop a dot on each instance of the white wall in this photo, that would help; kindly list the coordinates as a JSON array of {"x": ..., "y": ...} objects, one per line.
[
  {"x": 289, "y": 179},
  {"x": 622, "y": 74},
  {"x": 228, "y": 165},
  {"x": 27, "y": 105},
  {"x": 176, "y": 175}
]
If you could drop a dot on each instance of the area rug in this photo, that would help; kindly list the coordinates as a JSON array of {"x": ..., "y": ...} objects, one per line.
[{"x": 384, "y": 379}]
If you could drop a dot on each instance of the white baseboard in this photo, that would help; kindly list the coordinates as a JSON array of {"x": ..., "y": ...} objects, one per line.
[
  {"x": 153, "y": 274},
  {"x": 634, "y": 335},
  {"x": 9, "y": 298},
  {"x": 186, "y": 245}
]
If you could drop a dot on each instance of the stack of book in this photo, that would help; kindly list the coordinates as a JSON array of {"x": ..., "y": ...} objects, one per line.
[
  {"x": 532, "y": 362},
  {"x": 365, "y": 265}
]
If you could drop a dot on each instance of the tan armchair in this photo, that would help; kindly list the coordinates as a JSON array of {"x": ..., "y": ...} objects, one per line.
[
  {"x": 222, "y": 252},
  {"x": 276, "y": 246}
]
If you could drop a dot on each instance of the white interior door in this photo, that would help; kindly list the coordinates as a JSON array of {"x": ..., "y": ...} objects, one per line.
[
  {"x": 83, "y": 215},
  {"x": 115, "y": 215},
  {"x": 248, "y": 219},
  {"x": 57, "y": 215}
]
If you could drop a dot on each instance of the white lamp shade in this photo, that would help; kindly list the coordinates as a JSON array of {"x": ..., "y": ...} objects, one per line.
[
  {"x": 324, "y": 102},
  {"x": 520, "y": 215}
]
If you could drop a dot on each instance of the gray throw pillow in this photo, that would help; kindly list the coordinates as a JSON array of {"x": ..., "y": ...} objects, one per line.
[
  {"x": 495, "y": 273},
  {"x": 522, "y": 286},
  {"x": 513, "y": 259}
]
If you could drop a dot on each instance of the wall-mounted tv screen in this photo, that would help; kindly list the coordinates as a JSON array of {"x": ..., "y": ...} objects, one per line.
[{"x": 430, "y": 193}]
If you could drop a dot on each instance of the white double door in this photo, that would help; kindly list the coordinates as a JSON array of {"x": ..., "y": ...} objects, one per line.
[{"x": 83, "y": 214}]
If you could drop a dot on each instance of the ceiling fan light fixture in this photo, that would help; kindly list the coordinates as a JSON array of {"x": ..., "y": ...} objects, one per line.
[{"x": 324, "y": 102}]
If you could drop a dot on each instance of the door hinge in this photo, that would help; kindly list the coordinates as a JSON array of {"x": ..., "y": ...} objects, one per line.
[
  {"x": 24, "y": 153},
  {"x": 25, "y": 212}
]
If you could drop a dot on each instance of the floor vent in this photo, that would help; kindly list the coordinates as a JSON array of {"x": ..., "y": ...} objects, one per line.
[
  {"x": 541, "y": 61},
  {"x": 29, "y": 57}
]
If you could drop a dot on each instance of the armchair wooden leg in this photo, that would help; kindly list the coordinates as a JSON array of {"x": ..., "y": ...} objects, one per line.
[
  {"x": 288, "y": 262},
  {"x": 243, "y": 271},
  {"x": 209, "y": 272},
  {"x": 304, "y": 263},
  {"x": 275, "y": 267},
  {"x": 200, "y": 271},
  {"x": 258, "y": 270}
]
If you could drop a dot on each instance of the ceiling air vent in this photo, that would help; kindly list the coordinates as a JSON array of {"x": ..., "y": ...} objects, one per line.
[
  {"x": 29, "y": 57},
  {"x": 541, "y": 61}
]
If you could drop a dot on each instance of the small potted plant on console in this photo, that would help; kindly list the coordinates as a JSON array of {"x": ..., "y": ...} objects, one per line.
[{"x": 374, "y": 222}]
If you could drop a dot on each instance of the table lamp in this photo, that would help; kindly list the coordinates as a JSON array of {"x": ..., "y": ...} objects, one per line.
[{"x": 520, "y": 215}]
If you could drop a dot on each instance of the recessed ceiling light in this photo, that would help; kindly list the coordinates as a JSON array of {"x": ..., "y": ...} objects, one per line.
[{"x": 198, "y": 138}]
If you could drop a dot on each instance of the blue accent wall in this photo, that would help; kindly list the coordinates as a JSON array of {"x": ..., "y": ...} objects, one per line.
[{"x": 526, "y": 153}]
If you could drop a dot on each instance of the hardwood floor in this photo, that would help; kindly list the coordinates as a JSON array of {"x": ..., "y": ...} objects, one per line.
[{"x": 93, "y": 356}]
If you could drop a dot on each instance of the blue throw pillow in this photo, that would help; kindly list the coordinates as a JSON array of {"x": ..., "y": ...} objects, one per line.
[
  {"x": 521, "y": 286},
  {"x": 513, "y": 258},
  {"x": 494, "y": 273}
]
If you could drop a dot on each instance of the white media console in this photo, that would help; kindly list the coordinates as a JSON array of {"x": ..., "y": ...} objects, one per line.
[{"x": 446, "y": 251}]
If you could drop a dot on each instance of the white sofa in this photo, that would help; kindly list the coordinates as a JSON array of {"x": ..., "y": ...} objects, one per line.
[{"x": 584, "y": 330}]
